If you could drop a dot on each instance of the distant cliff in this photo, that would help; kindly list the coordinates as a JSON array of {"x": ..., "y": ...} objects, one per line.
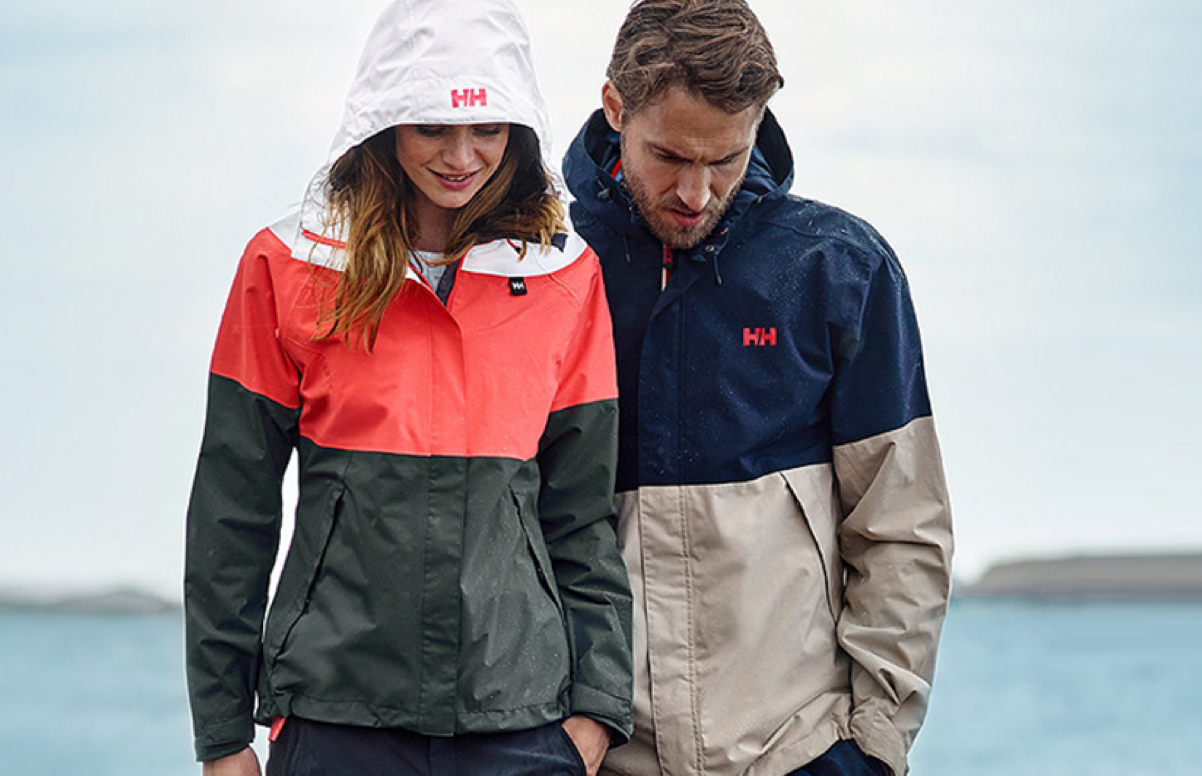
[{"x": 1111, "y": 577}]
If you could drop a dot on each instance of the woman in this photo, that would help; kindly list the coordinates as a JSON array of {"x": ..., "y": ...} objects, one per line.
[{"x": 436, "y": 348}]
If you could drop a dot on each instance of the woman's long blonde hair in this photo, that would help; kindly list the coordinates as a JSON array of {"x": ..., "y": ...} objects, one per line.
[{"x": 370, "y": 200}]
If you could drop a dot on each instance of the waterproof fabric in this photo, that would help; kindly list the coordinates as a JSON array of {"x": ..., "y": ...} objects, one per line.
[
  {"x": 782, "y": 505},
  {"x": 454, "y": 566}
]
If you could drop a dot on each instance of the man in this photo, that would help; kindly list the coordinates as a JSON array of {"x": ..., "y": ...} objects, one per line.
[{"x": 783, "y": 509}]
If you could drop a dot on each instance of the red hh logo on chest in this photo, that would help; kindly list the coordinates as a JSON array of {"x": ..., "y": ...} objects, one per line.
[
  {"x": 759, "y": 337},
  {"x": 468, "y": 98}
]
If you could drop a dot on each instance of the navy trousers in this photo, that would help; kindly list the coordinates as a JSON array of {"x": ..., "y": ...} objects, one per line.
[
  {"x": 845, "y": 758},
  {"x": 307, "y": 748}
]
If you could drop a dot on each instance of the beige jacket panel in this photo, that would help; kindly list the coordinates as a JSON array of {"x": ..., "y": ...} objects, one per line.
[
  {"x": 897, "y": 544},
  {"x": 737, "y": 668},
  {"x": 776, "y": 616}
]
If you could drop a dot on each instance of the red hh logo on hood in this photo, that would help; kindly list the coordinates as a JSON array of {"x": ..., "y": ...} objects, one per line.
[{"x": 468, "y": 98}]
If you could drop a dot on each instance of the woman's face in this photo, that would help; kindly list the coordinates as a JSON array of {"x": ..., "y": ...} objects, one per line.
[{"x": 449, "y": 163}]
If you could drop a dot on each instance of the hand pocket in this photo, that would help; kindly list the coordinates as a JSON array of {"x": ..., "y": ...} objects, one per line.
[{"x": 577, "y": 761}]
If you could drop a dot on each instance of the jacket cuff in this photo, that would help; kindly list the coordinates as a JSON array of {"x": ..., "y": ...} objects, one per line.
[
  {"x": 225, "y": 738},
  {"x": 614, "y": 713},
  {"x": 878, "y": 738}
]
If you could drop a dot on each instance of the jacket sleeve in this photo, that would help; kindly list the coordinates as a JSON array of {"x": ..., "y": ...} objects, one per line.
[
  {"x": 577, "y": 460},
  {"x": 235, "y": 510},
  {"x": 896, "y": 536}
]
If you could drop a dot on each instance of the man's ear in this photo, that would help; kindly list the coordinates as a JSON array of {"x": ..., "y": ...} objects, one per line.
[{"x": 611, "y": 103}]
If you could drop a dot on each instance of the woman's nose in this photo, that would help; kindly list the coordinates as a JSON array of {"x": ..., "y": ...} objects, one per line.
[{"x": 458, "y": 151}]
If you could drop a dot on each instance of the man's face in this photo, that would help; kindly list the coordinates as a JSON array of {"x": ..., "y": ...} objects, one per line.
[{"x": 683, "y": 159}]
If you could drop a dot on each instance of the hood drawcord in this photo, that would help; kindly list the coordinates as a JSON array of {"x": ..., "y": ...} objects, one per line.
[{"x": 712, "y": 251}]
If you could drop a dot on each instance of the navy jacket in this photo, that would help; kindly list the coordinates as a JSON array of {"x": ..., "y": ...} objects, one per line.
[{"x": 781, "y": 498}]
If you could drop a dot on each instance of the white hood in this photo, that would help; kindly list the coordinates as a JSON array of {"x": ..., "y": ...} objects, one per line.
[{"x": 437, "y": 62}]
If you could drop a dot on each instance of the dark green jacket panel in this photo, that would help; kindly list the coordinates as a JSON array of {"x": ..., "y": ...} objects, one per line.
[
  {"x": 577, "y": 461},
  {"x": 403, "y": 603},
  {"x": 233, "y": 530},
  {"x": 443, "y": 595},
  {"x": 412, "y": 605}
]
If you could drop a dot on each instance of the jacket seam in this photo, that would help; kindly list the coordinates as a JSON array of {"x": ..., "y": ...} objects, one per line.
[
  {"x": 567, "y": 288},
  {"x": 823, "y": 561},
  {"x": 333, "y": 500},
  {"x": 686, "y": 552},
  {"x": 873, "y": 253},
  {"x": 691, "y": 645},
  {"x": 599, "y": 691},
  {"x": 205, "y": 730},
  {"x": 375, "y": 707},
  {"x": 421, "y": 600}
]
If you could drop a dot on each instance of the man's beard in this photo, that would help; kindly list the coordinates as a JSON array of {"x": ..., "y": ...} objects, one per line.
[{"x": 655, "y": 214}]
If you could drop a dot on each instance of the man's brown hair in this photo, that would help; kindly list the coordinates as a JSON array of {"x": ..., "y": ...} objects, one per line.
[{"x": 716, "y": 49}]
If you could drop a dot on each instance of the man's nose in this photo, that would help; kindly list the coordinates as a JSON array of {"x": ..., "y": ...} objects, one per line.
[{"x": 693, "y": 189}]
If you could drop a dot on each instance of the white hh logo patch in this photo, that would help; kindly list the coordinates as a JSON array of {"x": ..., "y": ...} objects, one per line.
[{"x": 469, "y": 98}]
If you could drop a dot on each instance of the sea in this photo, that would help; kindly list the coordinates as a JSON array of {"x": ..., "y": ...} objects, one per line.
[{"x": 1055, "y": 689}]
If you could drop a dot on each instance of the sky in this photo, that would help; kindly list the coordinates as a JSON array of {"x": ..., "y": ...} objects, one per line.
[{"x": 1037, "y": 167}]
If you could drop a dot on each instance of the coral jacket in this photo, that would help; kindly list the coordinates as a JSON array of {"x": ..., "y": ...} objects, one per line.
[{"x": 454, "y": 566}]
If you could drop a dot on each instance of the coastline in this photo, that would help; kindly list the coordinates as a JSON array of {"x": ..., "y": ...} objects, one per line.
[
  {"x": 1151, "y": 577},
  {"x": 119, "y": 600},
  {"x": 1130, "y": 577}
]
